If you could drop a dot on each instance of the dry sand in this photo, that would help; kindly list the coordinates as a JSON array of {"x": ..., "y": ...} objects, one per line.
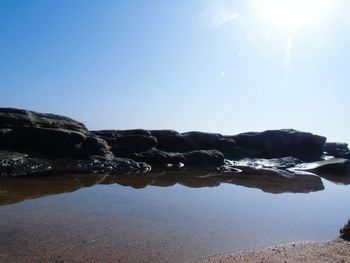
[{"x": 312, "y": 251}]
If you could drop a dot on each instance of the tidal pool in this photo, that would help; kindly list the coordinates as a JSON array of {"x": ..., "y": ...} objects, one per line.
[{"x": 160, "y": 218}]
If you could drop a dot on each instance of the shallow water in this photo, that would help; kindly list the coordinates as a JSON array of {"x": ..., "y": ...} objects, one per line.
[{"x": 160, "y": 218}]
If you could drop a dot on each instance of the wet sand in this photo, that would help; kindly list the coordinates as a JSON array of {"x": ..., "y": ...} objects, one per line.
[{"x": 311, "y": 251}]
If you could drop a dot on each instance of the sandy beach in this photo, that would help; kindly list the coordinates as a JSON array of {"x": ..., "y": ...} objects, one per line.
[{"x": 336, "y": 250}]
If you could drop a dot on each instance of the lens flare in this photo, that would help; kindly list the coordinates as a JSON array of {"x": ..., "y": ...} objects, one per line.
[{"x": 293, "y": 14}]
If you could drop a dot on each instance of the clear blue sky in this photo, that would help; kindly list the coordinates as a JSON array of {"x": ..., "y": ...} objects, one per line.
[{"x": 222, "y": 66}]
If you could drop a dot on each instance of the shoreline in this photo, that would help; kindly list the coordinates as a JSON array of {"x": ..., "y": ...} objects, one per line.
[{"x": 337, "y": 250}]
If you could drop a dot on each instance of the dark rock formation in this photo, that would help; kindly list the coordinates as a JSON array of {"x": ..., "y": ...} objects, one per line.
[
  {"x": 267, "y": 144},
  {"x": 280, "y": 143},
  {"x": 171, "y": 141},
  {"x": 159, "y": 158},
  {"x": 47, "y": 135},
  {"x": 331, "y": 166},
  {"x": 124, "y": 143},
  {"x": 275, "y": 163},
  {"x": 32, "y": 142},
  {"x": 16, "y": 164},
  {"x": 13, "y": 118},
  {"x": 345, "y": 232},
  {"x": 101, "y": 164},
  {"x": 338, "y": 150},
  {"x": 204, "y": 158},
  {"x": 334, "y": 169}
]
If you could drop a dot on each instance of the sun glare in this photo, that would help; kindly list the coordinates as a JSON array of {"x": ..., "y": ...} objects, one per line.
[{"x": 293, "y": 14}]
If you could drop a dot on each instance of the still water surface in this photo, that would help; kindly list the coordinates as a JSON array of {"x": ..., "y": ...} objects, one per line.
[{"x": 80, "y": 218}]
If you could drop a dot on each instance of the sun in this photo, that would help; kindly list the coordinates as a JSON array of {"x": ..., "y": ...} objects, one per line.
[{"x": 293, "y": 14}]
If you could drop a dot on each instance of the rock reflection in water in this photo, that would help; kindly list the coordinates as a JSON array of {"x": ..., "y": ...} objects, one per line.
[{"x": 18, "y": 189}]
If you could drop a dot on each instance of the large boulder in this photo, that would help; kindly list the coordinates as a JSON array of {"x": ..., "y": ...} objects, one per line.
[
  {"x": 47, "y": 135},
  {"x": 52, "y": 142},
  {"x": 280, "y": 143}
]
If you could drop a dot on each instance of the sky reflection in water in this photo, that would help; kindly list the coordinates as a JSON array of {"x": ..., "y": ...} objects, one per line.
[{"x": 176, "y": 223}]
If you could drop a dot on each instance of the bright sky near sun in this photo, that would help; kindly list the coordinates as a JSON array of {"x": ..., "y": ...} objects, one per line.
[{"x": 224, "y": 66}]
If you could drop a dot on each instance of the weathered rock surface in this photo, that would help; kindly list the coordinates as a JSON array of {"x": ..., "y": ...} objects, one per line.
[
  {"x": 16, "y": 164},
  {"x": 101, "y": 164},
  {"x": 204, "y": 158},
  {"x": 127, "y": 142},
  {"x": 13, "y": 118},
  {"x": 32, "y": 142},
  {"x": 280, "y": 143},
  {"x": 200, "y": 158},
  {"x": 331, "y": 166},
  {"x": 159, "y": 158},
  {"x": 47, "y": 135},
  {"x": 338, "y": 150},
  {"x": 267, "y": 144},
  {"x": 336, "y": 170}
]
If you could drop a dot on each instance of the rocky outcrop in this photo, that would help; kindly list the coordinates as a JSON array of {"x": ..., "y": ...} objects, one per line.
[
  {"x": 13, "y": 118},
  {"x": 16, "y": 164},
  {"x": 267, "y": 144},
  {"x": 102, "y": 164},
  {"x": 336, "y": 170},
  {"x": 335, "y": 166},
  {"x": 338, "y": 150},
  {"x": 159, "y": 158},
  {"x": 124, "y": 143},
  {"x": 204, "y": 158},
  {"x": 47, "y": 135},
  {"x": 32, "y": 142},
  {"x": 201, "y": 158},
  {"x": 280, "y": 143}
]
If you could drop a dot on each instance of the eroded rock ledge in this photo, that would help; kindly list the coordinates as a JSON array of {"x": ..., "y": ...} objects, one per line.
[{"x": 32, "y": 142}]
